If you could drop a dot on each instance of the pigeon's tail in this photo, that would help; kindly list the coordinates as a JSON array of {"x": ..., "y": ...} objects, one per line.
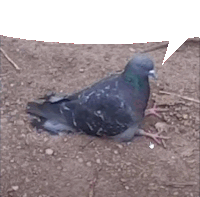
[{"x": 51, "y": 116}]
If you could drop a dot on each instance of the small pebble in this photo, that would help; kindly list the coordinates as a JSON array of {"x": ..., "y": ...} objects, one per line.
[
  {"x": 59, "y": 168},
  {"x": 89, "y": 164},
  {"x": 27, "y": 180},
  {"x": 98, "y": 161},
  {"x": 131, "y": 49},
  {"x": 106, "y": 58},
  {"x": 79, "y": 176},
  {"x": 123, "y": 180},
  {"x": 15, "y": 187},
  {"x": 119, "y": 146},
  {"x": 175, "y": 193},
  {"x": 80, "y": 160},
  {"x": 81, "y": 70},
  {"x": 127, "y": 187},
  {"x": 49, "y": 151},
  {"x": 145, "y": 175},
  {"x": 45, "y": 139},
  {"x": 185, "y": 116},
  {"x": 13, "y": 113},
  {"x": 70, "y": 59},
  {"x": 116, "y": 152},
  {"x": 179, "y": 116},
  {"x": 162, "y": 187},
  {"x": 18, "y": 147},
  {"x": 7, "y": 103}
]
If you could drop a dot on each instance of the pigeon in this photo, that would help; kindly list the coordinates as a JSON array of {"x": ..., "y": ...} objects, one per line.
[{"x": 114, "y": 107}]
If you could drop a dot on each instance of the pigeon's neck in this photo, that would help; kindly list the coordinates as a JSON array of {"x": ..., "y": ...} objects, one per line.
[{"x": 137, "y": 81}]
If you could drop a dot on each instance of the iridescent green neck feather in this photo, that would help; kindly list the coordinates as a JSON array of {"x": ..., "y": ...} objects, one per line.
[{"x": 137, "y": 81}]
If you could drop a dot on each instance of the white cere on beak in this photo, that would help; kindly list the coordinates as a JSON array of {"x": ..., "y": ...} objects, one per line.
[{"x": 153, "y": 74}]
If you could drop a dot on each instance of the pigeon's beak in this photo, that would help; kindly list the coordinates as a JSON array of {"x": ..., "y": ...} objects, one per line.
[{"x": 153, "y": 74}]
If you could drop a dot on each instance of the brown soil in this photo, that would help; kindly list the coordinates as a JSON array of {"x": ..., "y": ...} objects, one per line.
[{"x": 40, "y": 165}]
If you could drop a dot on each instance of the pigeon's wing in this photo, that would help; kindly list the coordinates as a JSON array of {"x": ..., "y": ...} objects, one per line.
[
  {"x": 78, "y": 93},
  {"x": 102, "y": 112}
]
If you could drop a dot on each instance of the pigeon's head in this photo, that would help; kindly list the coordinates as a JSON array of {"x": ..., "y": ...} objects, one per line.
[{"x": 140, "y": 65}]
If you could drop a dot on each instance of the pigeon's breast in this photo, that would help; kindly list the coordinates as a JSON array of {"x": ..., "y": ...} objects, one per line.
[{"x": 136, "y": 99}]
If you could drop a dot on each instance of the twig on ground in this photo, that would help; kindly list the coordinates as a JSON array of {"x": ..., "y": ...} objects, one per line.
[
  {"x": 85, "y": 145},
  {"x": 8, "y": 58},
  {"x": 183, "y": 97},
  {"x": 93, "y": 182},
  {"x": 164, "y": 144},
  {"x": 91, "y": 193}
]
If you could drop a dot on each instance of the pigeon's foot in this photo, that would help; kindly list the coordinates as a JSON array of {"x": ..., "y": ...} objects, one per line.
[
  {"x": 154, "y": 110},
  {"x": 154, "y": 136}
]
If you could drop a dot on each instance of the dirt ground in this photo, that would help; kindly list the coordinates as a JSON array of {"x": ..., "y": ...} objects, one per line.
[{"x": 40, "y": 165}]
